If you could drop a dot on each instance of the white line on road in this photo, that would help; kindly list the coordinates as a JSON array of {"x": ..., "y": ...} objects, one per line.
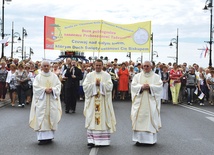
[
  {"x": 210, "y": 118},
  {"x": 94, "y": 151},
  {"x": 198, "y": 109}
]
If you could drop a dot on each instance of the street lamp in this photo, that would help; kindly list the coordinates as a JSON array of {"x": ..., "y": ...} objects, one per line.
[
  {"x": 2, "y": 27},
  {"x": 104, "y": 58},
  {"x": 94, "y": 58},
  {"x": 14, "y": 35},
  {"x": 19, "y": 49},
  {"x": 31, "y": 52},
  {"x": 129, "y": 55},
  {"x": 209, "y": 5},
  {"x": 24, "y": 34},
  {"x": 175, "y": 41},
  {"x": 154, "y": 53}
]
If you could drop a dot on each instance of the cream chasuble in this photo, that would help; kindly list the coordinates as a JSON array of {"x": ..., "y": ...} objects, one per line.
[
  {"x": 145, "y": 112},
  {"x": 98, "y": 109},
  {"x": 46, "y": 111}
]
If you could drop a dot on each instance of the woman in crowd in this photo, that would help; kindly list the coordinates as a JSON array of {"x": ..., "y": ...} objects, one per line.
[
  {"x": 207, "y": 75},
  {"x": 11, "y": 84},
  {"x": 56, "y": 69},
  {"x": 30, "y": 77},
  {"x": 210, "y": 82},
  {"x": 21, "y": 77},
  {"x": 202, "y": 87},
  {"x": 131, "y": 75},
  {"x": 175, "y": 83},
  {"x": 183, "y": 94},
  {"x": 3, "y": 76},
  {"x": 165, "y": 79},
  {"x": 85, "y": 71},
  {"x": 114, "y": 77},
  {"x": 123, "y": 81},
  {"x": 191, "y": 83}
]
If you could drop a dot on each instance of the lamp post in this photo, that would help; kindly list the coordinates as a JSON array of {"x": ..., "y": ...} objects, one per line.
[
  {"x": 2, "y": 27},
  {"x": 209, "y": 5},
  {"x": 14, "y": 35},
  {"x": 24, "y": 34},
  {"x": 175, "y": 41},
  {"x": 151, "y": 38}
]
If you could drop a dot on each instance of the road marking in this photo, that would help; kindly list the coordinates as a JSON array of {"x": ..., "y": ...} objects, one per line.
[
  {"x": 210, "y": 118},
  {"x": 94, "y": 151},
  {"x": 197, "y": 109}
]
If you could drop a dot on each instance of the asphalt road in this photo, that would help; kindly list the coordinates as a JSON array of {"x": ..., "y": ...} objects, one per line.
[{"x": 186, "y": 131}]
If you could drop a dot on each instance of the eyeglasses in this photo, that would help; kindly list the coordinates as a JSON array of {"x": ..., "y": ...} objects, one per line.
[{"x": 145, "y": 65}]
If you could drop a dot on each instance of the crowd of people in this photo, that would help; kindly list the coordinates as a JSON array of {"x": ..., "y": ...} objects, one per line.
[
  {"x": 45, "y": 84},
  {"x": 181, "y": 83}
]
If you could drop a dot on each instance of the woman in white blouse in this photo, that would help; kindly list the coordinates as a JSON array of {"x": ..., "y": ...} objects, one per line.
[{"x": 11, "y": 83}]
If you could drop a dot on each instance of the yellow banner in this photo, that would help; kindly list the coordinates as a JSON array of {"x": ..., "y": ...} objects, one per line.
[{"x": 96, "y": 36}]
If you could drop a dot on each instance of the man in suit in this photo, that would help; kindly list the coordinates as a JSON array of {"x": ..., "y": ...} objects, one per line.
[
  {"x": 63, "y": 71},
  {"x": 73, "y": 75}
]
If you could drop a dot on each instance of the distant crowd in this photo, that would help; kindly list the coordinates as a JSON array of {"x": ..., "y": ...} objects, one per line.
[{"x": 188, "y": 83}]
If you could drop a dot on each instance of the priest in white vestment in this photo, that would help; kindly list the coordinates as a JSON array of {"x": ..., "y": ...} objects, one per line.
[
  {"x": 98, "y": 109},
  {"x": 146, "y": 90},
  {"x": 46, "y": 110}
]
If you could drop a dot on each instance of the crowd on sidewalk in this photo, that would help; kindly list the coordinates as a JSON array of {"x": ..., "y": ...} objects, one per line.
[{"x": 191, "y": 84}]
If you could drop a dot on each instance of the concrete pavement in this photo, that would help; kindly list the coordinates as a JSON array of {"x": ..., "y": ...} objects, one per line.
[{"x": 186, "y": 130}]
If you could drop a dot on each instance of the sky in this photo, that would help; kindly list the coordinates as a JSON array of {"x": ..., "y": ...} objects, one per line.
[{"x": 166, "y": 16}]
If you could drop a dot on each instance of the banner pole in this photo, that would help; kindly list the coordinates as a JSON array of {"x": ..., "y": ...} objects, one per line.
[
  {"x": 141, "y": 57},
  {"x": 44, "y": 54}
]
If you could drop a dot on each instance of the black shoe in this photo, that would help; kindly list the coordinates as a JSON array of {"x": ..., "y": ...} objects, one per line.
[
  {"x": 44, "y": 142},
  {"x": 90, "y": 145},
  {"x": 138, "y": 144},
  {"x": 48, "y": 141},
  {"x": 66, "y": 111}
]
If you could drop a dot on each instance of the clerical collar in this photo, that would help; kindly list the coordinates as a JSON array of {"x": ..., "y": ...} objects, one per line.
[
  {"x": 148, "y": 74},
  {"x": 46, "y": 74},
  {"x": 98, "y": 72}
]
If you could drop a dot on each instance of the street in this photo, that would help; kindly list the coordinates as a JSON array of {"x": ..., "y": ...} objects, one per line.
[{"x": 186, "y": 130}]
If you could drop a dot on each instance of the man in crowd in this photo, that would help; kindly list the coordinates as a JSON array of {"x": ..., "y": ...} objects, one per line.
[
  {"x": 146, "y": 90},
  {"x": 46, "y": 111},
  {"x": 98, "y": 111},
  {"x": 73, "y": 75},
  {"x": 63, "y": 70},
  {"x": 114, "y": 77}
]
